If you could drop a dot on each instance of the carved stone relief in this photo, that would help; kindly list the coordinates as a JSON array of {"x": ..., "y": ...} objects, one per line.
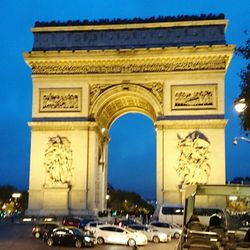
[
  {"x": 194, "y": 96},
  {"x": 130, "y": 66},
  {"x": 58, "y": 161},
  {"x": 155, "y": 88},
  {"x": 60, "y": 100},
  {"x": 193, "y": 167}
]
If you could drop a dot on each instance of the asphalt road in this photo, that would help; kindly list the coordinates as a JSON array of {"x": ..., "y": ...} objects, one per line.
[{"x": 18, "y": 237}]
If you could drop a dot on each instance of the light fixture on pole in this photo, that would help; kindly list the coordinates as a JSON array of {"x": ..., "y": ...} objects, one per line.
[
  {"x": 240, "y": 105},
  {"x": 235, "y": 140}
]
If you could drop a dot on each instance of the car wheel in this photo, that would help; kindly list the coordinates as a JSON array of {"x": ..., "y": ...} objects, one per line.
[
  {"x": 78, "y": 243},
  {"x": 100, "y": 241},
  {"x": 37, "y": 235},
  {"x": 131, "y": 242},
  {"x": 156, "y": 239},
  {"x": 50, "y": 242},
  {"x": 176, "y": 235}
]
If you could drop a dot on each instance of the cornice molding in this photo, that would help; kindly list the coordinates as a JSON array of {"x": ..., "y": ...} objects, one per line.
[
  {"x": 56, "y": 126},
  {"x": 192, "y": 124},
  {"x": 131, "y": 26},
  {"x": 129, "y": 65}
]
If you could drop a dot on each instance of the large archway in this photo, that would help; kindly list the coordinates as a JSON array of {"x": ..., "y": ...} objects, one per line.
[
  {"x": 86, "y": 76},
  {"x": 132, "y": 155}
]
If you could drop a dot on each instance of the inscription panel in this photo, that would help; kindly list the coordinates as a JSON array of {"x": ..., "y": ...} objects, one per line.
[
  {"x": 203, "y": 96},
  {"x": 60, "y": 99}
]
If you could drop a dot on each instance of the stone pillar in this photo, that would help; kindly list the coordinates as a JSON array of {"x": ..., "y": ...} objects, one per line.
[{"x": 160, "y": 164}]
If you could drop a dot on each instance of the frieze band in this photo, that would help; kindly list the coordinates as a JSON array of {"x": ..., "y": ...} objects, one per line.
[{"x": 130, "y": 66}]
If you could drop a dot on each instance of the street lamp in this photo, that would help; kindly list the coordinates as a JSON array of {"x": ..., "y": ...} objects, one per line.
[
  {"x": 235, "y": 141},
  {"x": 240, "y": 105}
]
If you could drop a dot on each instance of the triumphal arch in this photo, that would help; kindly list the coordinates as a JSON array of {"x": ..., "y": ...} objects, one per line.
[{"x": 87, "y": 74}]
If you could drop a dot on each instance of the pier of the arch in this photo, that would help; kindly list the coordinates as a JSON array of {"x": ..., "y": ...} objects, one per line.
[{"x": 80, "y": 88}]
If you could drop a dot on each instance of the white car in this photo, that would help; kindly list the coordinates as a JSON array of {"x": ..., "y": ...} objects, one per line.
[
  {"x": 113, "y": 234},
  {"x": 91, "y": 226},
  {"x": 152, "y": 233},
  {"x": 168, "y": 228}
]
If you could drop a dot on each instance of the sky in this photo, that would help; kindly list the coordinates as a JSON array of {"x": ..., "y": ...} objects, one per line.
[{"x": 128, "y": 132}]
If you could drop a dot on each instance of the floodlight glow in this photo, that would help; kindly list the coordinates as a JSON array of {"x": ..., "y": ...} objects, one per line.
[
  {"x": 240, "y": 105},
  {"x": 16, "y": 195},
  {"x": 233, "y": 198}
]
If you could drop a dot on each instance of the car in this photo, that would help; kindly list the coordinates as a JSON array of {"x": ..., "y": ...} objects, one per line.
[
  {"x": 168, "y": 228},
  {"x": 125, "y": 222},
  {"x": 69, "y": 236},
  {"x": 74, "y": 222},
  {"x": 91, "y": 226},
  {"x": 113, "y": 234},
  {"x": 39, "y": 229},
  {"x": 152, "y": 234}
]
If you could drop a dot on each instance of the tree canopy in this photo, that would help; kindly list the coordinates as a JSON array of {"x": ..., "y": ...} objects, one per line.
[{"x": 244, "y": 51}]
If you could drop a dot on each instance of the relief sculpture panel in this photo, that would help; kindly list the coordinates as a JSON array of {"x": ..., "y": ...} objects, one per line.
[
  {"x": 58, "y": 161},
  {"x": 194, "y": 166},
  {"x": 194, "y": 96},
  {"x": 60, "y": 100}
]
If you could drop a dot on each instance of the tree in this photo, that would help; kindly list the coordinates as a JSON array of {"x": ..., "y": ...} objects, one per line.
[
  {"x": 127, "y": 202},
  {"x": 244, "y": 51}
]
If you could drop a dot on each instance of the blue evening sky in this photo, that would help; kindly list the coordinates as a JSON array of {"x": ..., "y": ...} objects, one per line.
[{"x": 132, "y": 147}]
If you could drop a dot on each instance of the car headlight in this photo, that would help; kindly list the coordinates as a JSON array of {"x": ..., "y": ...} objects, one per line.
[{"x": 87, "y": 239}]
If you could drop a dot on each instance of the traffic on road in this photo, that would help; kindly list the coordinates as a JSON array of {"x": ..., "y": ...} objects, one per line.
[{"x": 21, "y": 236}]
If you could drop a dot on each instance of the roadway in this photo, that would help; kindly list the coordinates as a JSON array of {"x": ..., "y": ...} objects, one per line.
[{"x": 19, "y": 237}]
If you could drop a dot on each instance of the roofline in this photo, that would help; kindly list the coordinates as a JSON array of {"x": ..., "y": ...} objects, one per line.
[{"x": 131, "y": 26}]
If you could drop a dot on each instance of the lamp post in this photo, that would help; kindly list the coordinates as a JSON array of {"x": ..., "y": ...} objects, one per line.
[
  {"x": 235, "y": 141},
  {"x": 240, "y": 106}
]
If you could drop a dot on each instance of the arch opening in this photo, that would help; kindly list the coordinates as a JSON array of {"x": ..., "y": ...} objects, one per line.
[{"x": 132, "y": 155}]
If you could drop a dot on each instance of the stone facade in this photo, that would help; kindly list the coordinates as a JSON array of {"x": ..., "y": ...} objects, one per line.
[{"x": 82, "y": 84}]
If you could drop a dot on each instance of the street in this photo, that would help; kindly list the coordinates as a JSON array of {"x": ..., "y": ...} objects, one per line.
[{"x": 19, "y": 237}]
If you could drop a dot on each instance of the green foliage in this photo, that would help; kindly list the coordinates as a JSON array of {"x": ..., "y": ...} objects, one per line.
[
  {"x": 128, "y": 202},
  {"x": 6, "y": 192},
  {"x": 244, "y": 51}
]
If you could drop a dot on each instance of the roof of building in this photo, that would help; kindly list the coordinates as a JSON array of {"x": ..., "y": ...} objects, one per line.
[{"x": 177, "y": 18}]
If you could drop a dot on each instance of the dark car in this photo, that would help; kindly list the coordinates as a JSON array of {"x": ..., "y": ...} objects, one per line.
[
  {"x": 69, "y": 237},
  {"x": 75, "y": 222},
  {"x": 125, "y": 223},
  {"x": 39, "y": 229}
]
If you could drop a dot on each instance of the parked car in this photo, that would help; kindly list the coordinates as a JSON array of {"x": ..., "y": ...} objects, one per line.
[
  {"x": 125, "y": 222},
  {"x": 118, "y": 235},
  {"x": 152, "y": 234},
  {"x": 39, "y": 229},
  {"x": 74, "y": 222},
  {"x": 168, "y": 228},
  {"x": 69, "y": 236},
  {"x": 91, "y": 226}
]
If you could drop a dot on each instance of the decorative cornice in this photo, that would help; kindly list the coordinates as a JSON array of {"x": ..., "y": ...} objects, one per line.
[
  {"x": 142, "y": 65},
  {"x": 192, "y": 124},
  {"x": 119, "y": 26},
  {"x": 55, "y": 126}
]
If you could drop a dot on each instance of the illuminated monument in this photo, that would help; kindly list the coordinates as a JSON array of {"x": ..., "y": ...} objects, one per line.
[{"x": 87, "y": 74}]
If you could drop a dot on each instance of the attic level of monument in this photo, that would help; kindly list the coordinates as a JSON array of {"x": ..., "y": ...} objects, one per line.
[{"x": 131, "y": 35}]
